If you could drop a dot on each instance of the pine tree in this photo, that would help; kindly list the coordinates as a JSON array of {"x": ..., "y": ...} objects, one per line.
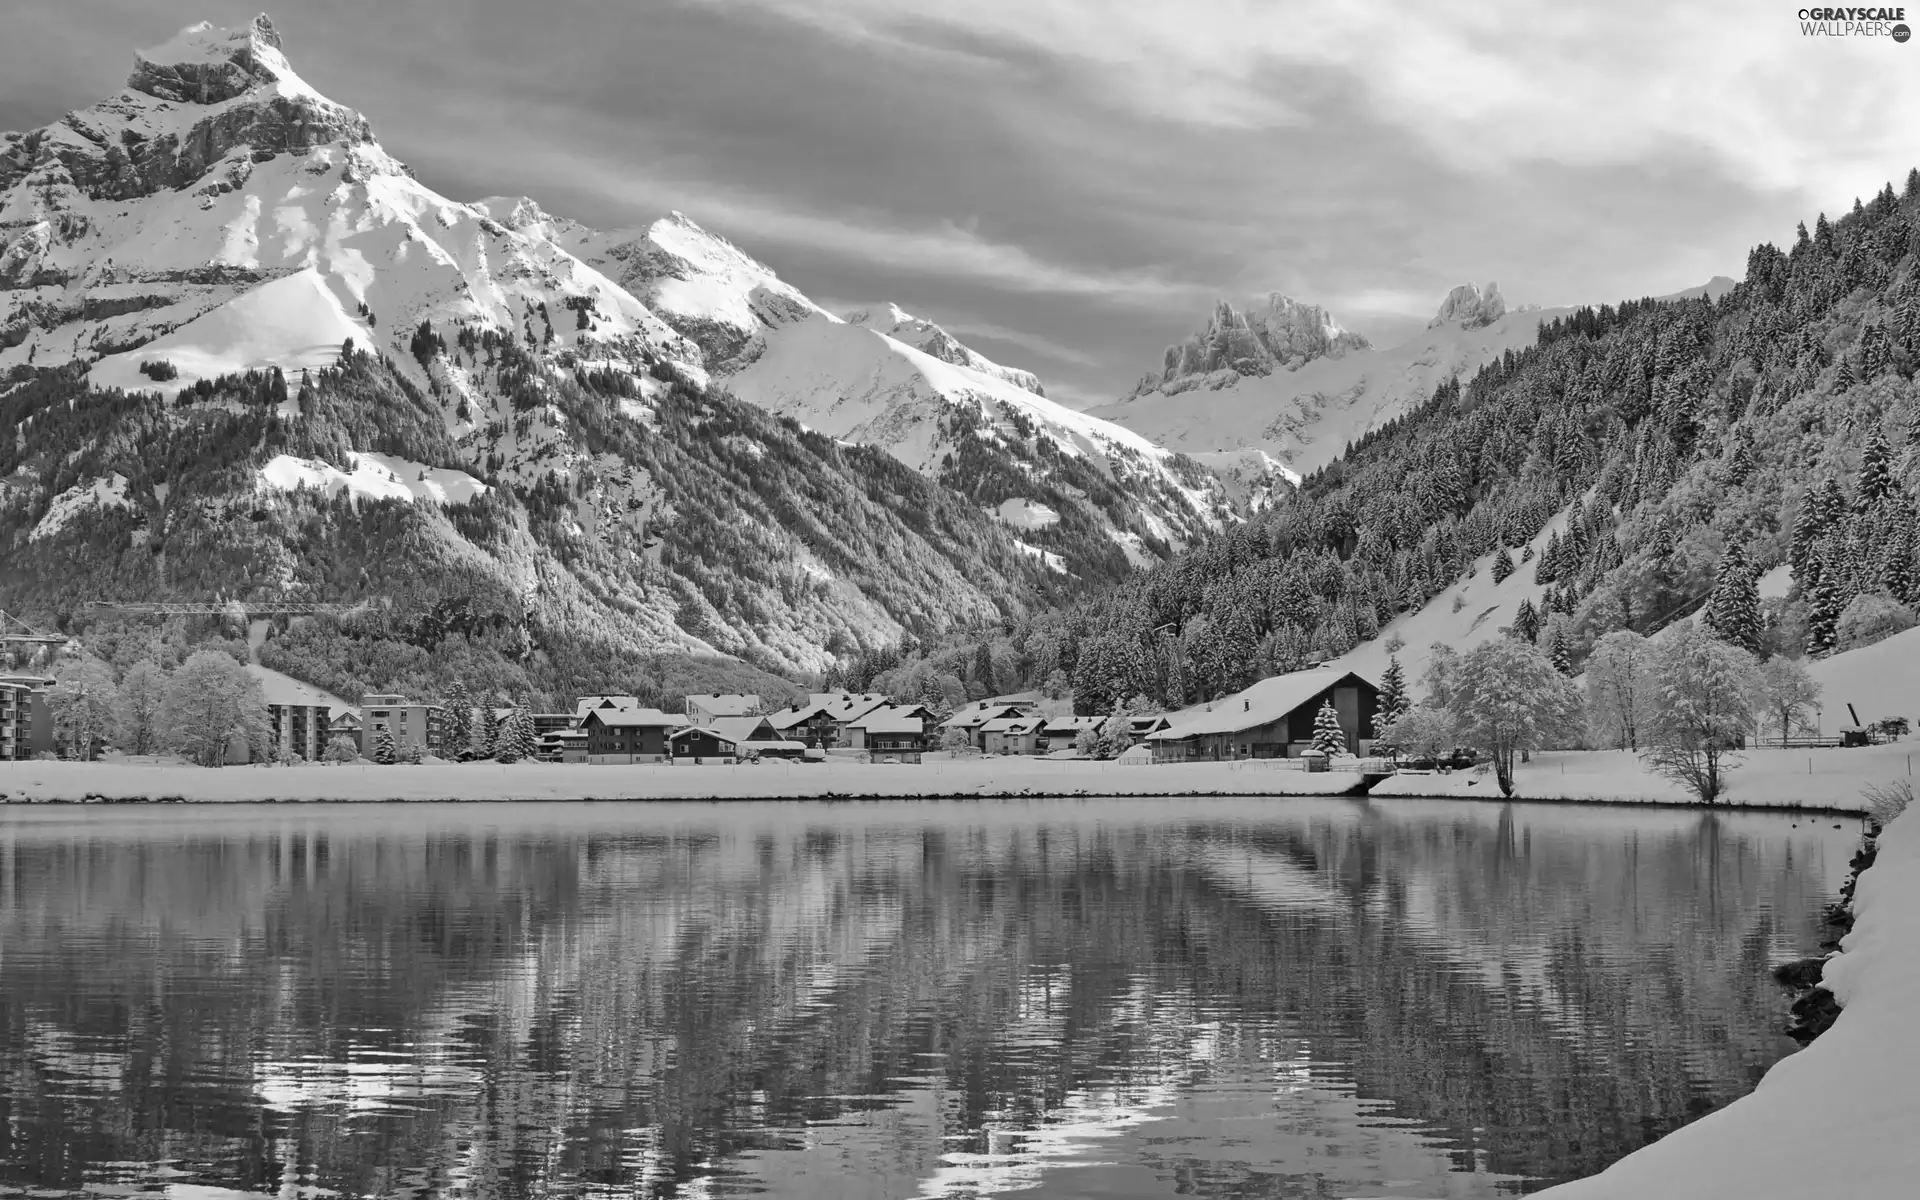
[
  {"x": 1502, "y": 565},
  {"x": 1557, "y": 650},
  {"x": 486, "y": 730},
  {"x": 458, "y": 733},
  {"x": 1876, "y": 483},
  {"x": 1394, "y": 700},
  {"x": 1807, "y": 532},
  {"x": 1733, "y": 607},
  {"x": 383, "y": 751},
  {"x": 1843, "y": 379},
  {"x": 1823, "y": 611},
  {"x": 1526, "y": 623},
  {"x": 516, "y": 739},
  {"x": 1328, "y": 737}
]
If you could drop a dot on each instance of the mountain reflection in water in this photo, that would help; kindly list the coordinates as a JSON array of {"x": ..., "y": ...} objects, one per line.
[{"x": 1284, "y": 998}]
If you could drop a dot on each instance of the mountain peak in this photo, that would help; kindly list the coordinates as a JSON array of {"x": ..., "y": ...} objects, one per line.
[
  {"x": 1278, "y": 332},
  {"x": 1470, "y": 307},
  {"x": 902, "y": 326},
  {"x": 204, "y": 64}
]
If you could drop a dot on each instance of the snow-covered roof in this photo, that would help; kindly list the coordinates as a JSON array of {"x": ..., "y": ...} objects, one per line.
[
  {"x": 891, "y": 712},
  {"x": 1073, "y": 724},
  {"x": 635, "y": 718},
  {"x": 583, "y": 703},
  {"x": 724, "y": 706},
  {"x": 1266, "y": 701},
  {"x": 735, "y": 729},
  {"x": 1013, "y": 725},
  {"x": 892, "y": 722},
  {"x": 979, "y": 713}
]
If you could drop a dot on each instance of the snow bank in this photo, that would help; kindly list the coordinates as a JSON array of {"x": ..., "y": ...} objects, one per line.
[
  {"x": 962, "y": 779},
  {"x": 1054, "y": 562},
  {"x": 1762, "y": 778},
  {"x": 100, "y": 493},
  {"x": 1881, "y": 680},
  {"x": 1835, "y": 1120},
  {"x": 294, "y": 322},
  {"x": 1027, "y": 514},
  {"x": 374, "y": 477}
]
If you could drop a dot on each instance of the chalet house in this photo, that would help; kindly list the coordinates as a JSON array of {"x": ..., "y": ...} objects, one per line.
[
  {"x": 861, "y": 731},
  {"x": 563, "y": 746},
  {"x": 1012, "y": 735},
  {"x": 583, "y": 703},
  {"x": 822, "y": 723},
  {"x": 618, "y": 736},
  {"x": 977, "y": 714},
  {"x": 1272, "y": 719},
  {"x": 1063, "y": 733},
  {"x": 729, "y": 739},
  {"x": 895, "y": 735},
  {"x": 705, "y": 710},
  {"x": 1141, "y": 728}
]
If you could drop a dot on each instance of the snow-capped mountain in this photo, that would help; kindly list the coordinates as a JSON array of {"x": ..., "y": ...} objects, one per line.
[
  {"x": 881, "y": 376},
  {"x": 1224, "y": 393}
]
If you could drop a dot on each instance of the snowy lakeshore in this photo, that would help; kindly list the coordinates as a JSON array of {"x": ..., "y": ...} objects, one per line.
[
  {"x": 1823, "y": 779},
  {"x": 1835, "y": 1120},
  {"x": 975, "y": 778}
]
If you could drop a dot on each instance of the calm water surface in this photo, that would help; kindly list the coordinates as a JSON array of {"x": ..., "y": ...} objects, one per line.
[{"x": 1286, "y": 998}]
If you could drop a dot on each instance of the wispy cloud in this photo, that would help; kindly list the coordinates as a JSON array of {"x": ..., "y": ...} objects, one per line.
[{"x": 945, "y": 248}]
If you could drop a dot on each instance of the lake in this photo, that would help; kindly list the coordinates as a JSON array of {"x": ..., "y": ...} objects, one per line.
[{"x": 1276, "y": 998}]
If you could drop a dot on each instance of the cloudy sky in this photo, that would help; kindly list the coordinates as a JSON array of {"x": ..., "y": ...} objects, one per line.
[{"x": 1069, "y": 184}]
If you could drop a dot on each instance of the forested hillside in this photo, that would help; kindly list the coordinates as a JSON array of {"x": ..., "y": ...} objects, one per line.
[
  {"x": 1688, "y": 442},
  {"x": 683, "y": 513}
]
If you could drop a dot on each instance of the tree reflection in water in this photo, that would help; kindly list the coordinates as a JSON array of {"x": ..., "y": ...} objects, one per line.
[{"x": 1266, "y": 998}]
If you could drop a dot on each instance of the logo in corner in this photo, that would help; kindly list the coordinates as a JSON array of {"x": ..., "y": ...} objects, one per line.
[{"x": 1855, "y": 22}]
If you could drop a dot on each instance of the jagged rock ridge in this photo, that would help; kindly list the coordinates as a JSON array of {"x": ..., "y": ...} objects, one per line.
[{"x": 1470, "y": 308}]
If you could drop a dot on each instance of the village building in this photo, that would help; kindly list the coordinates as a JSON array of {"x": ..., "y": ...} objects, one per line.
[
  {"x": 822, "y": 723},
  {"x": 705, "y": 710},
  {"x": 970, "y": 718},
  {"x": 1139, "y": 729},
  {"x": 896, "y": 735},
  {"x": 422, "y": 725},
  {"x": 1272, "y": 719},
  {"x": 620, "y": 736},
  {"x": 299, "y": 717},
  {"x": 562, "y": 746},
  {"x": 730, "y": 739},
  {"x": 345, "y": 724},
  {"x": 1012, "y": 735},
  {"x": 584, "y": 703},
  {"x": 1063, "y": 733},
  {"x": 26, "y": 723},
  {"x": 860, "y": 731}
]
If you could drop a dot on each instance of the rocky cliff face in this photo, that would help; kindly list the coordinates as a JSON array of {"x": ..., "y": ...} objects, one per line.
[
  {"x": 1282, "y": 334},
  {"x": 1470, "y": 308}
]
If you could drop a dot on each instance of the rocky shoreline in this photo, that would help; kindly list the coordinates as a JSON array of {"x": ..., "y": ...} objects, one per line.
[{"x": 1815, "y": 1008}]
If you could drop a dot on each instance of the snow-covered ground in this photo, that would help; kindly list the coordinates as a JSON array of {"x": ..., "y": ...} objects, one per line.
[
  {"x": 374, "y": 477},
  {"x": 52, "y": 781},
  {"x": 1760, "y": 778},
  {"x": 1837, "y": 1120},
  {"x": 100, "y": 493}
]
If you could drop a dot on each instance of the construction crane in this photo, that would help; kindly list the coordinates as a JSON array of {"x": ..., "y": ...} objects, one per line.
[
  {"x": 173, "y": 608},
  {"x": 15, "y": 632}
]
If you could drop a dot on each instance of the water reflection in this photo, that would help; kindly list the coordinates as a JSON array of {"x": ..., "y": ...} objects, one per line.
[{"x": 1246, "y": 998}]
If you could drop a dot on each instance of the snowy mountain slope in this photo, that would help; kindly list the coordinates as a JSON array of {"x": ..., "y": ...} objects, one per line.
[
  {"x": 879, "y": 376},
  {"x": 1304, "y": 417},
  {"x": 219, "y": 170},
  {"x": 222, "y": 224}
]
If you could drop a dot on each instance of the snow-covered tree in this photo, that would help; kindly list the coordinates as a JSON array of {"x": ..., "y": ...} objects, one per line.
[
  {"x": 526, "y": 740},
  {"x": 458, "y": 734},
  {"x": 1422, "y": 732},
  {"x": 140, "y": 710},
  {"x": 1732, "y": 611},
  {"x": 1502, "y": 565},
  {"x": 1526, "y": 622},
  {"x": 1703, "y": 705},
  {"x": 1443, "y": 664},
  {"x": 1556, "y": 647},
  {"x": 340, "y": 749},
  {"x": 81, "y": 702},
  {"x": 211, "y": 701},
  {"x": 1787, "y": 693},
  {"x": 383, "y": 751},
  {"x": 1868, "y": 618},
  {"x": 1394, "y": 700},
  {"x": 1328, "y": 737},
  {"x": 486, "y": 731},
  {"x": 1619, "y": 689},
  {"x": 1507, "y": 698}
]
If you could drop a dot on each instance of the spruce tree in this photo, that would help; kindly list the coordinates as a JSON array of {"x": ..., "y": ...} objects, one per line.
[
  {"x": 486, "y": 728},
  {"x": 1876, "y": 483},
  {"x": 1526, "y": 623},
  {"x": 383, "y": 751},
  {"x": 1557, "y": 650},
  {"x": 1502, "y": 565},
  {"x": 1823, "y": 610},
  {"x": 1328, "y": 737},
  {"x": 459, "y": 728},
  {"x": 1394, "y": 701},
  {"x": 1733, "y": 607},
  {"x": 1843, "y": 379}
]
